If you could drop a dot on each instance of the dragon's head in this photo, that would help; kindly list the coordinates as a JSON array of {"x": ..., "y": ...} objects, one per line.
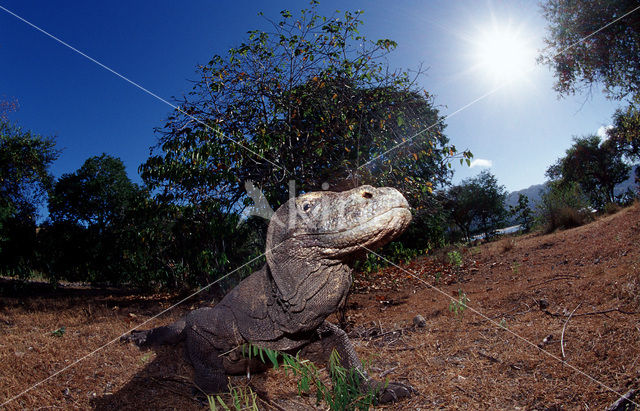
[{"x": 328, "y": 228}]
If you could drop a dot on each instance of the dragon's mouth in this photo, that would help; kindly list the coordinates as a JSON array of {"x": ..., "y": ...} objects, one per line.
[
  {"x": 370, "y": 234},
  {"x": 373, "y": 221},
  {"x": 385, "y": 226}
]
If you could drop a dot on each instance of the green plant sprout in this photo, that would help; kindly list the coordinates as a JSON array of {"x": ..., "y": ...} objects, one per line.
[
  {"x": 503, "y": 323},
  {"x": 242, "y": 399},
  {"x": 345, "y": 391},
  {"x": 515, "y": 267},
  {"x": 59, "y": 332},
  {"x": 455, "y": 258},
  {"x": 460, "y": 305}
]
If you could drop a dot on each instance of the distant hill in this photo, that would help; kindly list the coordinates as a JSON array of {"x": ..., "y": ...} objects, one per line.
[
  {"x": 628, "y": 183},
  {"x": 535, "y": 192}
]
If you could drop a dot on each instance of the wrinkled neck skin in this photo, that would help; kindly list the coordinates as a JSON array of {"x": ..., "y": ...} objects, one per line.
[{"x": 305, "y": 290}]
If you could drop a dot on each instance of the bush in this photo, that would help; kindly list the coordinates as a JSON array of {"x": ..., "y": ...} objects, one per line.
[
  {"x": 611, "y": 208},
  {"x": 508, "y": 245},
  {"x": 568, "y": 217},
  {"x": 563, "y": 206}
]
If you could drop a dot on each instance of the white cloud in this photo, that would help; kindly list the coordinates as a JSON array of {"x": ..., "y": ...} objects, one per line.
[
  {"x": 481, "y": 162},
  {"x": 602, "y": 131}
]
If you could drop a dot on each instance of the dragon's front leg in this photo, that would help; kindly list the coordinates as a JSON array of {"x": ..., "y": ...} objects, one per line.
[{"x": 333, "y": 337}]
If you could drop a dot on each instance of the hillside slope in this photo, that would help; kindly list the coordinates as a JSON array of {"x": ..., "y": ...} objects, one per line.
[
  {"x": 530, "y": 285},
  {"x": 524, "y": 289}
]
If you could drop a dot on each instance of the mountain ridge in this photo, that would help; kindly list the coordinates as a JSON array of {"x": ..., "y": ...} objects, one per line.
[{"x": 535, "y": 192}]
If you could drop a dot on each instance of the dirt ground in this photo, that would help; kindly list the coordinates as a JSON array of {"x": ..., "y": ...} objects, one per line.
[{"x": 530, "y": 298}]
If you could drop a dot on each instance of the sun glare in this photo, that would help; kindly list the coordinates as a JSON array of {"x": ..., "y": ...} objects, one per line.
[{"x": 504, "y": 55}]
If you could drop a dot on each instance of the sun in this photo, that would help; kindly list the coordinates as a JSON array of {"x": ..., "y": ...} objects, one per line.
[{"x": 504, "y": 54}]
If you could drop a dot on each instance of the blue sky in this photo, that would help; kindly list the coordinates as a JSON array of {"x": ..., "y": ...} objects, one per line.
[{"x": 519, "y": 130}]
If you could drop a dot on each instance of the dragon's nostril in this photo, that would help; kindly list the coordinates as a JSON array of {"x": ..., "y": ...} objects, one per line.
[{"x": 367, "y": 194}]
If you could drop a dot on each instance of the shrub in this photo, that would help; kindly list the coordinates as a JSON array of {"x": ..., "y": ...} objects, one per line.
[
  {"x": 460, "y": 305},
  {"x": 568, "y": 217},
  {"x": 563, "y": 206},
  {"x": 455, "y": 259},
  {"x": 611, "y": 208},
  {"x": 508, "y": 245}
]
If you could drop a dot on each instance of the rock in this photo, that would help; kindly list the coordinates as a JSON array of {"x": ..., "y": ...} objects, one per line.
[
  {"x": 419, "y": 321},
  {"x": 546, "y": 340}
]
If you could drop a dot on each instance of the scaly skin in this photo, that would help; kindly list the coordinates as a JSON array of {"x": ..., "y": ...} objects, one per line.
[{"x": 311, "y": 242}]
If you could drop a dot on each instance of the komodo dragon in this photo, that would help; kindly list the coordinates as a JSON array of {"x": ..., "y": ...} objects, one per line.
[{"x": 311, "y": 242}]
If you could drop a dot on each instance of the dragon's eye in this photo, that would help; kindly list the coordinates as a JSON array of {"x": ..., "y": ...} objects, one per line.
[{"x": 306, "y": 206}]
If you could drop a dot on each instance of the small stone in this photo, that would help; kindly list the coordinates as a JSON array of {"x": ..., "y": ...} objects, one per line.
[{"x": 419, "y": 321}]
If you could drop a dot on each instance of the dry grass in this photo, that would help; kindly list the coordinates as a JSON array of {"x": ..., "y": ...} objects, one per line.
[{"x": 508, "y": 244}]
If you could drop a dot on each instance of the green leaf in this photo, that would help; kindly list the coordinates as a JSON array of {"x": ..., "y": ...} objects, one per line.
[
  {"x": 273, "y": 357},
  {"x": 59, "y": 332}
]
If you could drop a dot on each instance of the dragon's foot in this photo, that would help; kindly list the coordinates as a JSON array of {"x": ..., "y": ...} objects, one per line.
[
  {"x": 391, "y": 392},
  {"x": 137, "y": 336}
]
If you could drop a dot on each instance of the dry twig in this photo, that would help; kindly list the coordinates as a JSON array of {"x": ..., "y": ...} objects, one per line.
[
  {"x": 387, "y": 372},
  {"x": 593, "y": 313},
  {"x": 488, "y": 357},
  {"x": 563, "y": 328}
]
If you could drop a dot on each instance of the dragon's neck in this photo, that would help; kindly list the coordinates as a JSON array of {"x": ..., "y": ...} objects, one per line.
[{"x": 318, "y": 295}]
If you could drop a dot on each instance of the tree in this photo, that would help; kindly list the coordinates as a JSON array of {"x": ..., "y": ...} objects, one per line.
[
  {"x": 103, "y": 228},
  {"x": 523, "y": 213},
  {"x": 88, "y": 210},
  {"x": 490, "y": 198},
  {"x": 477, "y": 202},
  {"x": 312, "y": 100},
  {"x": 580, "y": 57},
  {"x": 95, "y": 195},
  {"x": 25, "y": 159},
  {"x": 183, "y": 246},
  {"x": 595, "y": 165},
  {"x": 6, "y": 107},
  {"x": 25, "y": 179},
  {"x": 625, "y": 133},
  {"x": 461, "y": 206}
]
